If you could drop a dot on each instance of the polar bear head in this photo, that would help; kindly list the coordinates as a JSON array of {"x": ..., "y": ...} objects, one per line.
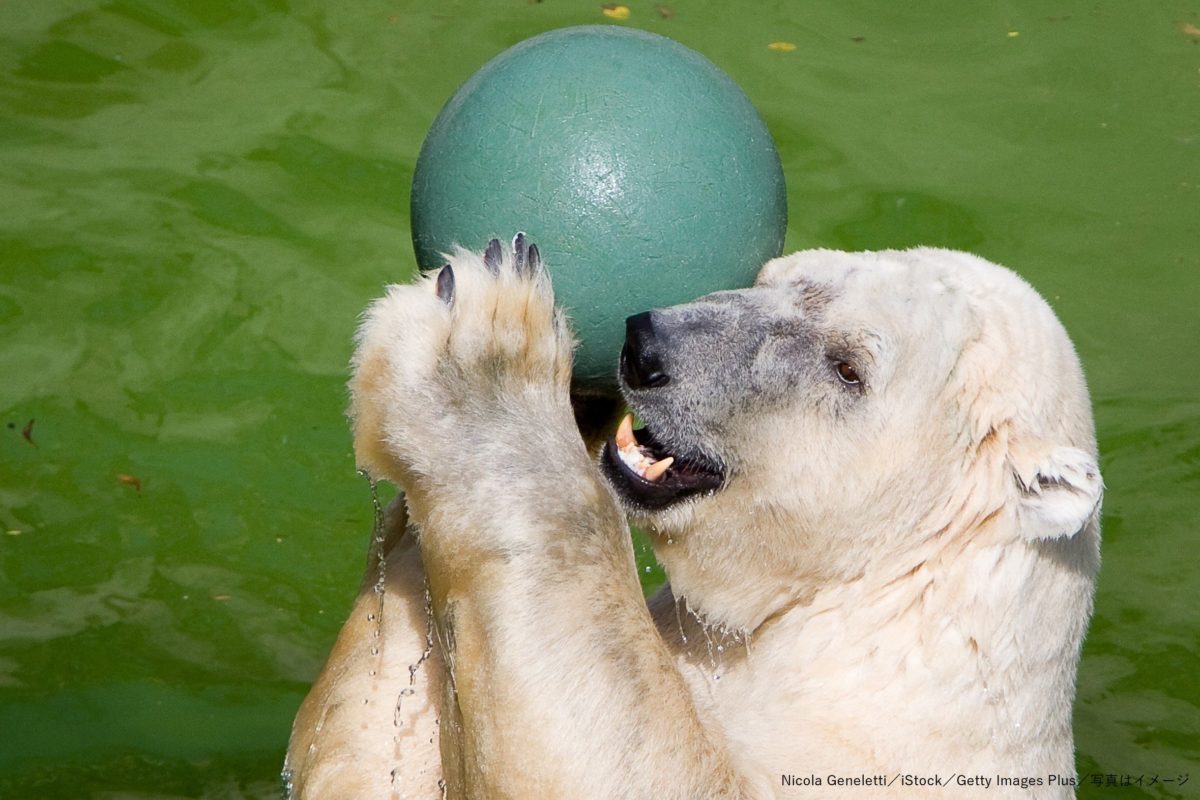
[{"x": 852, "y": 414}]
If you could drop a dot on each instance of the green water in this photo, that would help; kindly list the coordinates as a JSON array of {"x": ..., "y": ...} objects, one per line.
[{"x": 198, "y": 198}]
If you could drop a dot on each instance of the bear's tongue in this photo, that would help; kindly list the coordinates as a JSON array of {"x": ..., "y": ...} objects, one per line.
[{"x": 638, "y": 458}]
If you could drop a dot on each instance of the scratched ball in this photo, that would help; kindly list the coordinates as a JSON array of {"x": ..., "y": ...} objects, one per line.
[{"x": 639, "y": 168}]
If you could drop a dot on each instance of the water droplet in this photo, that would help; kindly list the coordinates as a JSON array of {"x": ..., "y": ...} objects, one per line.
[{"x": 647, "y": 570}]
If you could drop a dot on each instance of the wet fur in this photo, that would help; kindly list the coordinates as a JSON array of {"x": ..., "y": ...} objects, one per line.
[{"x": 896, "y": 577}]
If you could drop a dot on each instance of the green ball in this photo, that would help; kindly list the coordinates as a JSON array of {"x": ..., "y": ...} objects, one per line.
[{"x": 639, "y": 168}]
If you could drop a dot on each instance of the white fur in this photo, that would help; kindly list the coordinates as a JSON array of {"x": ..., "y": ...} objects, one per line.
[{"x": 903, "y": 593}]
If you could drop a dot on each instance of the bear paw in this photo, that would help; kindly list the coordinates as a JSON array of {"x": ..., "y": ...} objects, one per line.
[{"x": 452, "y": 366}]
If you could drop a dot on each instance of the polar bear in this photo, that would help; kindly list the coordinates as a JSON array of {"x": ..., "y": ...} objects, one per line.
[{"x": 872, "y": 480}]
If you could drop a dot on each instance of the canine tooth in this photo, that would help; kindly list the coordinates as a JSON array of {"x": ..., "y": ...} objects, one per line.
[
  {"x": 625, "y": 432},
  {"x": 655, "y": 470}
]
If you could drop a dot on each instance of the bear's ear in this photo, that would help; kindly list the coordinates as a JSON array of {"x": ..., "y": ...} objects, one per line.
[{"x": 1059, "y": 490}]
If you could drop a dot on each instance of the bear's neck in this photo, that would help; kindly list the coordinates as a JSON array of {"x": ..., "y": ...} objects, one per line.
[{"x": 978, "y": 643}]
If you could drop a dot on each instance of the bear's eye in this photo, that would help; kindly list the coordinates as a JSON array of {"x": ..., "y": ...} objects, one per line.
[{"x": 847, "y": 374}]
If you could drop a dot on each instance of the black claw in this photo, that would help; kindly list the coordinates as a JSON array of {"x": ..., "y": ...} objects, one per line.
[
  {"x": 493, "y": 256},
  {"x": 534, "y": 260},
  {"x": 519, "y": 253},
  {"x": 445, "y": 284}
]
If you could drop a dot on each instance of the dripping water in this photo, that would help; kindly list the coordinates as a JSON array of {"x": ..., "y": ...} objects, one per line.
[
  {"x": 377, "y": 543},
  {"x": 410, "y": 690},
  {"x": 717, "y": 638},
  {"x": 679, "y": 622},
  {"x": 704, "y": 628},
  {"x": 286, "y": 778},
  {"x": 377, "y": 548},
  {"x": 405, "y": 692},
  {"x": 416, "y": 666},
  {"x": 412, "y": 670}
]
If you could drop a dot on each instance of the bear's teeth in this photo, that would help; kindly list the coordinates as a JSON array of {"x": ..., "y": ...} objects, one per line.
[
  {"x": 656, "y": 470},
  {"x": 635, "y": 457},
  {"x": 625, "y": 433}
]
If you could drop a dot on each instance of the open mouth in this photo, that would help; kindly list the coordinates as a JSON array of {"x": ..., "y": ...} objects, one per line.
[{"x": 651, "y": 477}]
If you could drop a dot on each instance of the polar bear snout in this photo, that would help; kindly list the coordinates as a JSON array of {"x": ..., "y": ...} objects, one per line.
[
  {"x": 641, "y": 357},
  {"x": 673, "y": 456},
  {"x": 686, "y": 378}
]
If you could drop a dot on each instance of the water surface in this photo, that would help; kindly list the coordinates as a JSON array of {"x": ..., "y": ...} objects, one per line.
[{"x": 198, "y": 198}]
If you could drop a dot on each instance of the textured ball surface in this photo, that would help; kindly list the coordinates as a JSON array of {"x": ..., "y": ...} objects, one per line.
[{"x": 639, "y": 168}]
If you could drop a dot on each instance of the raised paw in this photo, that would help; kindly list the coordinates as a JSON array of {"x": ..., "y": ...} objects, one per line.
[{"x": 441, "y": 361}]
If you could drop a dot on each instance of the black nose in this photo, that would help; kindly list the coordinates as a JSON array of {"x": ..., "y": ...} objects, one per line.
[{"x": 641, "y": 358}]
